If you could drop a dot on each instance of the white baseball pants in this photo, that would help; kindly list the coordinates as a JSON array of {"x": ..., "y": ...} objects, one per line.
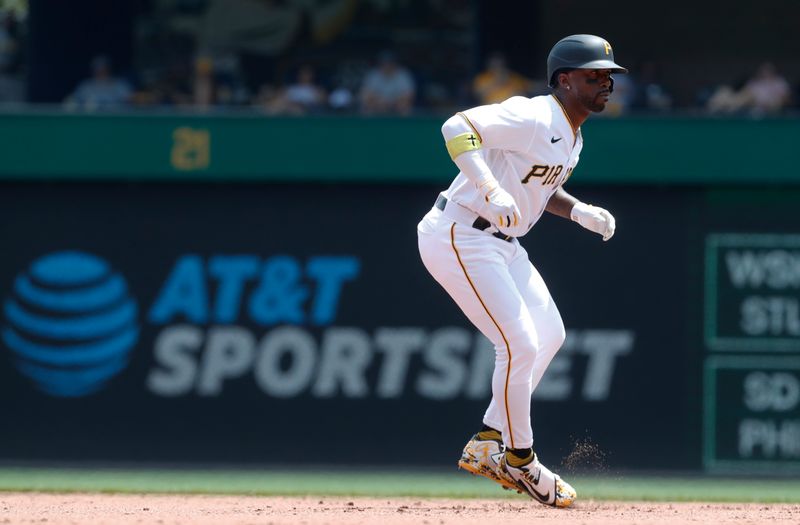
[{"x": 503, "y": 295}]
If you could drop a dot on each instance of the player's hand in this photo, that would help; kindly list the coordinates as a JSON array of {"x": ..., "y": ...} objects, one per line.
[
  {"x": 595, "y": 219},
  {"x": 502, "y": 208}
]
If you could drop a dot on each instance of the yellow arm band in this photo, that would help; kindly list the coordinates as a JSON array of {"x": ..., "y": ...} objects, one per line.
[{"x": 461, "y": 143}]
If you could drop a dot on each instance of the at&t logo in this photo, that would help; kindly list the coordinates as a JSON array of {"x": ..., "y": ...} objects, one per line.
[{"x": 70, "y": 323}]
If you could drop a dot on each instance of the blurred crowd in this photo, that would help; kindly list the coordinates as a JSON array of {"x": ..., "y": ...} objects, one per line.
[
  {"x": 386, "y": 88},
  {"x": 390, "y": 87},
  {"x": 386, "y": 83}
]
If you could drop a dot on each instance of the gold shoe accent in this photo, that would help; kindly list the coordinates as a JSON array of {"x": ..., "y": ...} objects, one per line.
[
  {"x": 486, "y": 472},
  {"x": 478, "y": 459}
]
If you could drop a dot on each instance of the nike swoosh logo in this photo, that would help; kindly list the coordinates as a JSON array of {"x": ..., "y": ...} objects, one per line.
[
  {"x": 541, "y": 497},
  {"x": 553, "y": 140}
]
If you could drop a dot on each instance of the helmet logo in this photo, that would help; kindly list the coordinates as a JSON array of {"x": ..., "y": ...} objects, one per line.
[{"x": 607, "y": 46}]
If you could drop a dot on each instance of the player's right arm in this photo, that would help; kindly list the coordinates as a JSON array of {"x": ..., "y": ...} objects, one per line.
[{"x": 465, "y": 141}]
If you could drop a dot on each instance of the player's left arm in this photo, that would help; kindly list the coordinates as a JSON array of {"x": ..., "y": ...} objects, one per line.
[{"x": 592, "y": 218}]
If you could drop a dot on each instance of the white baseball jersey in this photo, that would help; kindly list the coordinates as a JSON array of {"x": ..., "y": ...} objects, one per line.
[{"x": 530, "y": 147}]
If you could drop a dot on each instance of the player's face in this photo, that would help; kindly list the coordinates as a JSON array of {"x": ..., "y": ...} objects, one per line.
[{"x": 593, "y": 87}]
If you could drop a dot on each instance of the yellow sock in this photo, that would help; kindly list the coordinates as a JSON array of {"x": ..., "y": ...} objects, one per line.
[
  {"x": 486, "y": 435},
  {"x": 516, "y": 461}
]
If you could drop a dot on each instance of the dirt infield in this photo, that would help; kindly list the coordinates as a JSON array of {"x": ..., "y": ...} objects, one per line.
[{"x": 179, "y": 510}]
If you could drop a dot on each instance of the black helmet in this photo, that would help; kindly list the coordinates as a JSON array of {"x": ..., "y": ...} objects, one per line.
[{"x": 581, "y": 52}]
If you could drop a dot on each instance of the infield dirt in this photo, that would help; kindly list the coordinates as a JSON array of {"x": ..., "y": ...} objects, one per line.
[{"x": 196, "y": 509}]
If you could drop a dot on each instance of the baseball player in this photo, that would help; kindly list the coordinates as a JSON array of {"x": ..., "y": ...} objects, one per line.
[{"x": 514, "y": 158}]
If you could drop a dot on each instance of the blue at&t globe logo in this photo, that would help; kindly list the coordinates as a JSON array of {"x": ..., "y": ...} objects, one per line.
[{"x": 70, "y": 323}]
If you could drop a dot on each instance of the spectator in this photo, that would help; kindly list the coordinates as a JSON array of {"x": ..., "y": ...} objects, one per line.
[
  {"x": 767, "y": 93},
  {"x": 305, "y": 94},
  {"x": 388, "y": 88},
  {"x": 727, "y": 98},
  {"x": 102, "y": 91},
  {"x": 497, "y": 82},
  {"x": 302, "y": 97}
]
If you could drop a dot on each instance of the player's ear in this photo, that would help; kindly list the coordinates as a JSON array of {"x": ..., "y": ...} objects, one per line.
[{"x": 563, "y": 80}]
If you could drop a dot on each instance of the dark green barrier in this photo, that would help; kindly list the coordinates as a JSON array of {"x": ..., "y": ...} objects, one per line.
[
  {"x": 221, "y": 147},
  {"x": 335, "y": 149}
]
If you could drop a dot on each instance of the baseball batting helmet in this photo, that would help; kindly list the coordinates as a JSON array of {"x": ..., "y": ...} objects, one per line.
[{"x": 581, "y": 52}]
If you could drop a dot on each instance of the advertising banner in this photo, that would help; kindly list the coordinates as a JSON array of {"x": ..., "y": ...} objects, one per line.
[
  {"x": 279, "y": 324},
  {"x": 752, "y": 335}
]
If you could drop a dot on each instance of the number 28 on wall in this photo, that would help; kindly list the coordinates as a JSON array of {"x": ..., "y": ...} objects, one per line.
[{"x": 190, "y": 149}]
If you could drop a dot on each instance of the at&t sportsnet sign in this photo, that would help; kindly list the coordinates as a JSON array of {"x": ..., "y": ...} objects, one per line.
[{"x": 223, "y": 320}]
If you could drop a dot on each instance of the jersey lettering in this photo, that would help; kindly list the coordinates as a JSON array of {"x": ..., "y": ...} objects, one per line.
[{"x": 548, "y": 174}]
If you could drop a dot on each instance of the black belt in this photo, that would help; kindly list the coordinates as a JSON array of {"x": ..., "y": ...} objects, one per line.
[{"x": 479, "y": 224}]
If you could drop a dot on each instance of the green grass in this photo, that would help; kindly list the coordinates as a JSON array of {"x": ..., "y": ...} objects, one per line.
[{"x": 385, "y": 484}]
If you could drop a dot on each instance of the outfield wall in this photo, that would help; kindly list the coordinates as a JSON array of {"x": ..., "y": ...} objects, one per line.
[
  {"x": 249, "y": 147},
  {"x": 194, "y": 321}
]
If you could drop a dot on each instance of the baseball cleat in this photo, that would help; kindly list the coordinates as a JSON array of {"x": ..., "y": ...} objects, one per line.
[
  {"x": 481, "y": 456},
  {"x": 536, "y": 480}
]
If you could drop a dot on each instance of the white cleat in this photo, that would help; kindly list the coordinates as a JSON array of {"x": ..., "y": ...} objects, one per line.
[
  {"x": 481, "y": 457},
  {"x": 536, "y": 480}
]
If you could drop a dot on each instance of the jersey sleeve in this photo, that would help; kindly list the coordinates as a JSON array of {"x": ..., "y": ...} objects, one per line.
[{"x": 510, "y": 125}]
